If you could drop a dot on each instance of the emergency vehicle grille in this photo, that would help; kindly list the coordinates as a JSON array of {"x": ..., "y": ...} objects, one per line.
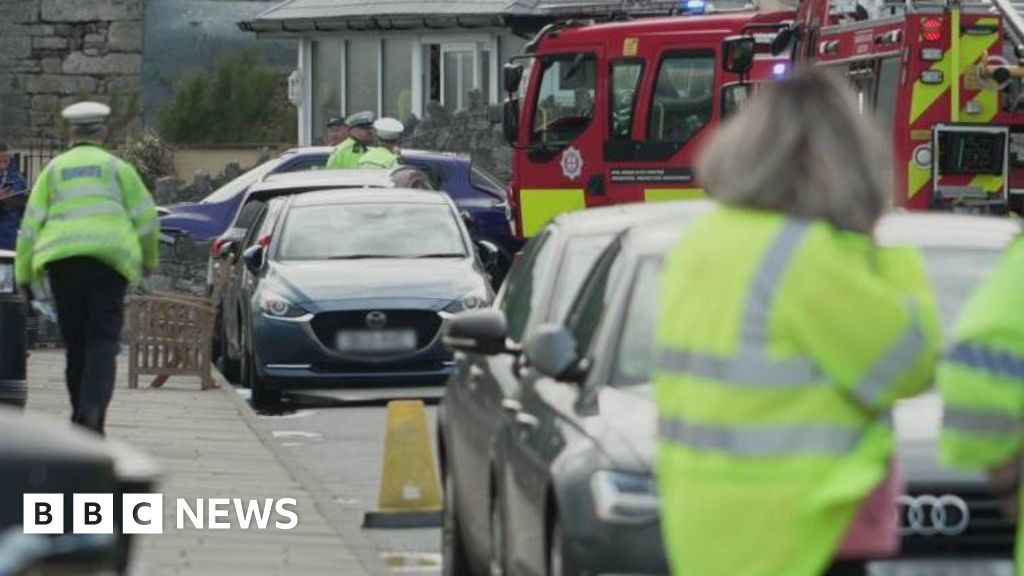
[
  {"x": 987, "y": 532},
  {"x": 426, "y": 323}
]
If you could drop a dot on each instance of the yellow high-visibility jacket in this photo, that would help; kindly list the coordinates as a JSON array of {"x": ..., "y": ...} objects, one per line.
[
  {"x": 782, "y": 346},
  {"x": 981, "y": 377},
  {"x": 87, "y": 202},
  {"x": 346, "y": 155}
]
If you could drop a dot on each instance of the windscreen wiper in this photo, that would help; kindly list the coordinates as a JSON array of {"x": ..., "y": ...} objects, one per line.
[
  {"x": 442, "y": 255},
  {"x": 362, "y": 256}
]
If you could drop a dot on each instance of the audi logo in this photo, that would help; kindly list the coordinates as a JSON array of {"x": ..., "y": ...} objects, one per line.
[
  {"x": 376, "y": 320},
  {"x": 928, "y": 515}
]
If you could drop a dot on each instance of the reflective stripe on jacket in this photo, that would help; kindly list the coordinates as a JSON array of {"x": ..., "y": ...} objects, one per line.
[
  {"x": 783, "y": 345},
  {"x": 87, "y": 202},
  {"x": 981, "y": 377}
]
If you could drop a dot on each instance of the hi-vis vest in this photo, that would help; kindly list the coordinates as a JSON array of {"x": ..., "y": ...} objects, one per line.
[
  {"x": 87, "y": 202},
  {"x": 378, "y": 157},
  {"x": 782, "y": 346},
  {"x": 981, "y": 377},
  {"x": 346, "y": 155}
]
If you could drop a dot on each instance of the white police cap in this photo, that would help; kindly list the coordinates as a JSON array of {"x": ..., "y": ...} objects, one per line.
[
  {"x": 389, "y": 129},
  {"x": 86, "y": 113},
  {"x": 361, "y": 120}
]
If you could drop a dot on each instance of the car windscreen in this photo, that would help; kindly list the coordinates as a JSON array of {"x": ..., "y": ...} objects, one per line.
[
  {"x": 580, "y": 255},
  {"x": 383, "y": 230},
  {"x": 953, "y": 273},
  {"x": 240, "y": 184}
]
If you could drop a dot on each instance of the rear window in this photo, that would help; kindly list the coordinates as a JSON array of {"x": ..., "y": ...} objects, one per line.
[{"x": 352, "y": 231}]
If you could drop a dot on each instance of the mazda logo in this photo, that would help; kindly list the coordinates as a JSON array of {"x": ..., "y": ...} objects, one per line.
[
  {"x": 376, "y": 320},
  {"x": 928, "y": 515}
]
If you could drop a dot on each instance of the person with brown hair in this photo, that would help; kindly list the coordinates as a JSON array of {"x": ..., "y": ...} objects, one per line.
[{"x": 785, "y": 336}]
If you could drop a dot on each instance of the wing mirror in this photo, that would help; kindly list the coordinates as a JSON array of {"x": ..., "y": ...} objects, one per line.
[
  {"x": 738, "y": 54},
  {"x": 553, "y": 351},
  {"x": 253, "y": 258},
  {"x": 226, "y": 249},
  {"x": 477, "y": 332},
  {"x": 510, "y": 121},
  {"x": 513, "y": 77},
  {"x": 490, "y": 259}
]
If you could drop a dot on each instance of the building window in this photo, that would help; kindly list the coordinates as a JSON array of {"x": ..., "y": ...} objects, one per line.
[
  {"x": 453, "y": 70},
  {"x": 326, "y": 84},
  {"x": 398, "y": 77},
  {"x": 457, "y": 69},
  {"x": 361, "y": 74}
]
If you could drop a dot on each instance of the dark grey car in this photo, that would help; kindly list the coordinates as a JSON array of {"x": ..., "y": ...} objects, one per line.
[
  {"x": 538, "y": 289},
  {"x": 576, "y": 488}
]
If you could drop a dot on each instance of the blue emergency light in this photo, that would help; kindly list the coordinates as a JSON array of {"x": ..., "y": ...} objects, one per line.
[
  {"x": 779, "y": 69},
  {"x": 693, "y": 6}
]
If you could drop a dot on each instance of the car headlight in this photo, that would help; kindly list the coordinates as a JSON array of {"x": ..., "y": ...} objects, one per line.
[
  {"x": 470, "y": 301},
  {"x": 6, "y": 278},
  {"x": 623, "y": 498},
  {"x": 278, "y": 307}
]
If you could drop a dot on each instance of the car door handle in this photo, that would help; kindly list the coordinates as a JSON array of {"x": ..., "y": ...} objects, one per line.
[
  {"x": 527, "y": 421},
  {"x": 511, "y": 406}
]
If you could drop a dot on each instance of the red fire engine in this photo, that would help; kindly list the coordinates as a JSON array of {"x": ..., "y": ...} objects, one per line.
[
  {"x": 936, "y": 77},
  {"x": 616, "y": 112}
]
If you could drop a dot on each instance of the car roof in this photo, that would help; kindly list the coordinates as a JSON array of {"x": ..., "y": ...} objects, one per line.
[
  {"x": 654, "y": 237},
  {"x": 607, "y": 219},
  {"x": 375, "y": 178},
  {"x": 364, "y": 196},
  {"x": 308, "y": 150},
  {"x": 406, "y": 153},
  {"x": 945, "y": 230}
]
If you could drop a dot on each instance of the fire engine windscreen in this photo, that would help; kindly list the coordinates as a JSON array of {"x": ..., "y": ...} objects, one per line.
[{"x": 565, "y": 98}]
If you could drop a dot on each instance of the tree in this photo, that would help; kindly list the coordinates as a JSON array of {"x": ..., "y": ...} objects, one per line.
[{"x": 240, "y": 101}]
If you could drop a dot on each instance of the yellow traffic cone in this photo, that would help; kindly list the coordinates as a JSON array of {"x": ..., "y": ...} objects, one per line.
[{"x": 410, "y": 496}]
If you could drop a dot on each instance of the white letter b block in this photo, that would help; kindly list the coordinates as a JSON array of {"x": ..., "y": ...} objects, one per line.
[
  {"x": 43, "y": 513},
  {"x": 93, "y": 514}
]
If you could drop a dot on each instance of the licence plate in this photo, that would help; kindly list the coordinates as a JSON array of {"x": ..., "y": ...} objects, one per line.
[
  {"x": 376, "y": 340},
  {"x": 949, "y": 567}
]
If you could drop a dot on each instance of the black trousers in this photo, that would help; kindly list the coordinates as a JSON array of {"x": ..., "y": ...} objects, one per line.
[{"x": 89, "y": 296}]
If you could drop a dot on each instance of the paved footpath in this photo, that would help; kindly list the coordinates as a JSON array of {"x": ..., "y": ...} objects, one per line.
[{"x": 209, "y": 445}]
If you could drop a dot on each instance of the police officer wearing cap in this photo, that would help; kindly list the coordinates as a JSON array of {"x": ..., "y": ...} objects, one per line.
[
  {"x": 90, "y": 230},
  {"x": 337, "y": 131},
  {"x": 389, "y": 132},
  {"x": 360, "y": 137}
]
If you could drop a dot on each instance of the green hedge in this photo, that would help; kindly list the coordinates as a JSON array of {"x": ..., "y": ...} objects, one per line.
[{"x": 241, "y": 101}]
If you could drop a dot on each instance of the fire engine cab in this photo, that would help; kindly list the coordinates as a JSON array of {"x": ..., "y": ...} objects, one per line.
[
  {"x": 937, "y": 77},
  {"x": 616, "y": 112}
]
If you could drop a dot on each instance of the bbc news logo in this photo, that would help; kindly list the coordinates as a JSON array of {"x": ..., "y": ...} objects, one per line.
[{"x": 144, "y": 513}]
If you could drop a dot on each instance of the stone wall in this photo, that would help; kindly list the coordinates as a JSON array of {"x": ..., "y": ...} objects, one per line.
[
  {"x": 475, "y": 131},
  {"x": 54, "y": 52}
]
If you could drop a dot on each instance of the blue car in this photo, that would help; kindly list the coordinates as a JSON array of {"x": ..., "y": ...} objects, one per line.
[
  {"x": 478, "y": 194},
  {"x": 381, "y": 323}
]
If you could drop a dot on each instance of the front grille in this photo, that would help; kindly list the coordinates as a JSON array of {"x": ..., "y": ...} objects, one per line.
[
  {"x": 378, "y": 368},
  {"x": 426, "y": 323},
  {"x": 987, "y": 533}
]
